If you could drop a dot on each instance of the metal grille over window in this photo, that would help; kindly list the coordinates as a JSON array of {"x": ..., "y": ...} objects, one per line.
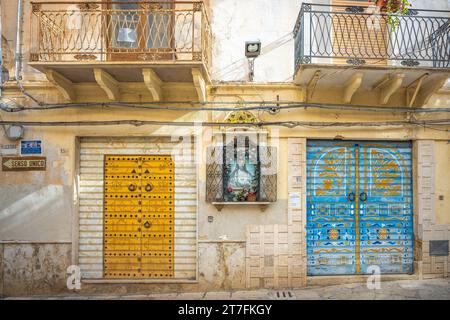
[
  {"x": 268, "y": 174},
  {"x": 214, "y": 174}
]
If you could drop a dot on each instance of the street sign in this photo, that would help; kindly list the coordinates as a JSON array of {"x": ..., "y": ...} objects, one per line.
[
  {"x": 24, "y": 163},
  {"x": 30, "y": 147}
]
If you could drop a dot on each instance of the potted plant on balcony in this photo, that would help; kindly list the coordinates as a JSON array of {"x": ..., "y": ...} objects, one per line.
[
  {"x": 251, "y": 196},
  {"x": 394, "y": 9}
]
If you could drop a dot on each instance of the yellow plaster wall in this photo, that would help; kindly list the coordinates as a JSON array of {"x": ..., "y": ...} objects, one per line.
[{"x": 442, "y": 150}]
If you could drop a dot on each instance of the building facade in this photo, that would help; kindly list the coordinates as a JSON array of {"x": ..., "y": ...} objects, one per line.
[{"x": 143, "y": 151}]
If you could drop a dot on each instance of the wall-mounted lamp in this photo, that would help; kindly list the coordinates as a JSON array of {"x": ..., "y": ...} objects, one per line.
[{"x": 252, "y": 51}]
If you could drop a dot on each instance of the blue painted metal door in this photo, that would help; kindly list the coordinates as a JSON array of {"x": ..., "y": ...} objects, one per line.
[{"x": 359, "y": 205}]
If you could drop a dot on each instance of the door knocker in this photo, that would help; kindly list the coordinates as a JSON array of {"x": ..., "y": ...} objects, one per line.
[
  {"x": 351, "y": 197},
  {"x": 363, "y": 197}
]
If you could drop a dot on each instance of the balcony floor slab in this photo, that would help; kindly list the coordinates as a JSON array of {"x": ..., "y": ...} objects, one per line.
[
  {"x": 318, "y": 79},
  {"x": 122, "y": 71}
]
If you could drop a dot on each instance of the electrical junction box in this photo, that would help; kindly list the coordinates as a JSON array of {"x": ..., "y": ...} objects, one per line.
[{"x": 439, "y": 248}]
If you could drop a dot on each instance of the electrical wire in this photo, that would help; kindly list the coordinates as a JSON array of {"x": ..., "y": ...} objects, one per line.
[
  {"x": 288, "y": 124},
  {"x": 241, "y": 63},
  {"x": 251, "y": 106},
  {"x": 436, "y": 129}
]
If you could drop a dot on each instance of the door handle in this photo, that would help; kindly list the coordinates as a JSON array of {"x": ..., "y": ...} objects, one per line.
[
  {"x": 363, "y": 196},
  {"x": 147, "y": 225},
  {"x": 148, "y": 187},
  {"x": 132, "y": 187},
  {"x": 351, "y": 197}
]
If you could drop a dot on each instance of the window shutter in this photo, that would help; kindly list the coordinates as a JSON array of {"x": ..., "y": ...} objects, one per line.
[
  {"x": 214, "y": 174},
  {"x": 268, "y": 174}
]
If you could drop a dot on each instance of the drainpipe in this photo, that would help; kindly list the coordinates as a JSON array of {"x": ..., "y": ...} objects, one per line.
[
  {"x": 19, "y": 42},
  {"x": 18, "y": 71}
]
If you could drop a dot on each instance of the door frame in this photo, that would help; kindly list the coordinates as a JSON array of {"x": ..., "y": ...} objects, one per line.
[{"x": 75, "y": 216}]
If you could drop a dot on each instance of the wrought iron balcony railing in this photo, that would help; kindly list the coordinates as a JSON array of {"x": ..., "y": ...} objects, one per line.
[
  {"x": 120, "y": 31},
  {"x": 360, "y": 35}
]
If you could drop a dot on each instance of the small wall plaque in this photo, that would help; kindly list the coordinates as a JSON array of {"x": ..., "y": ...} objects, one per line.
[
  {"x": 295, "y": 200},
  {"x": 439, "y": 248},
  {"x": 10, "y": 149},
  {"x": 28, "y": 147}
]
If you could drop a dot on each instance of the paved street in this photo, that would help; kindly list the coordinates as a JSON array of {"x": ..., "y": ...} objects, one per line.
[{"x": 398, "y": 290}]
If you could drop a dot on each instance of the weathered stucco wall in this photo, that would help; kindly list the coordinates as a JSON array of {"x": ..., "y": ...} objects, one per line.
[
  {"x": 432, "y": 4},
  {"x": 40, "y": 268},
  {"x": 37, "y": 205},
  {"x": 34, "y": 268},
  {"x": 234, "y": 22},
  {"x": 221, "y": 265}
]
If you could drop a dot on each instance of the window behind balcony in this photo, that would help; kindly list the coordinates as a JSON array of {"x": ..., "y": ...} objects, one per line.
[
  {"x": 358, "y": 32},
  {"x": 140, "y": 30},
  {"x": 125, "y": 22}
]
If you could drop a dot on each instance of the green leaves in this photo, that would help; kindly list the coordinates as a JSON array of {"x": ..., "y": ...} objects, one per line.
[{"x": 394, "y": 10}]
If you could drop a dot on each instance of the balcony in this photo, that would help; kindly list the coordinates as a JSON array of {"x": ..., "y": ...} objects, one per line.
[
  {"x": 358, "y": 52},
  {"x": 121, "y": 41}
]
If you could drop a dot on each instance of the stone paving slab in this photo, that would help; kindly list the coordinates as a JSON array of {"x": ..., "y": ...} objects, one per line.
[
  {"x": 223, "y": 295},
  {"x": 306, "y": 295},
  {"x": 191, "y": 296},
  {"x": 434, "y": 289},
  {"x": 251, "y": 295}
]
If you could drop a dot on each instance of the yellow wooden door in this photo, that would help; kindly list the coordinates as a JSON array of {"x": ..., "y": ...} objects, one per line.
[{"x": 138, "y": 216}]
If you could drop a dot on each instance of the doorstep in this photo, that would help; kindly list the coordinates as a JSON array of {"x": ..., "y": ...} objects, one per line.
[{"x": 314, "y": 281}]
